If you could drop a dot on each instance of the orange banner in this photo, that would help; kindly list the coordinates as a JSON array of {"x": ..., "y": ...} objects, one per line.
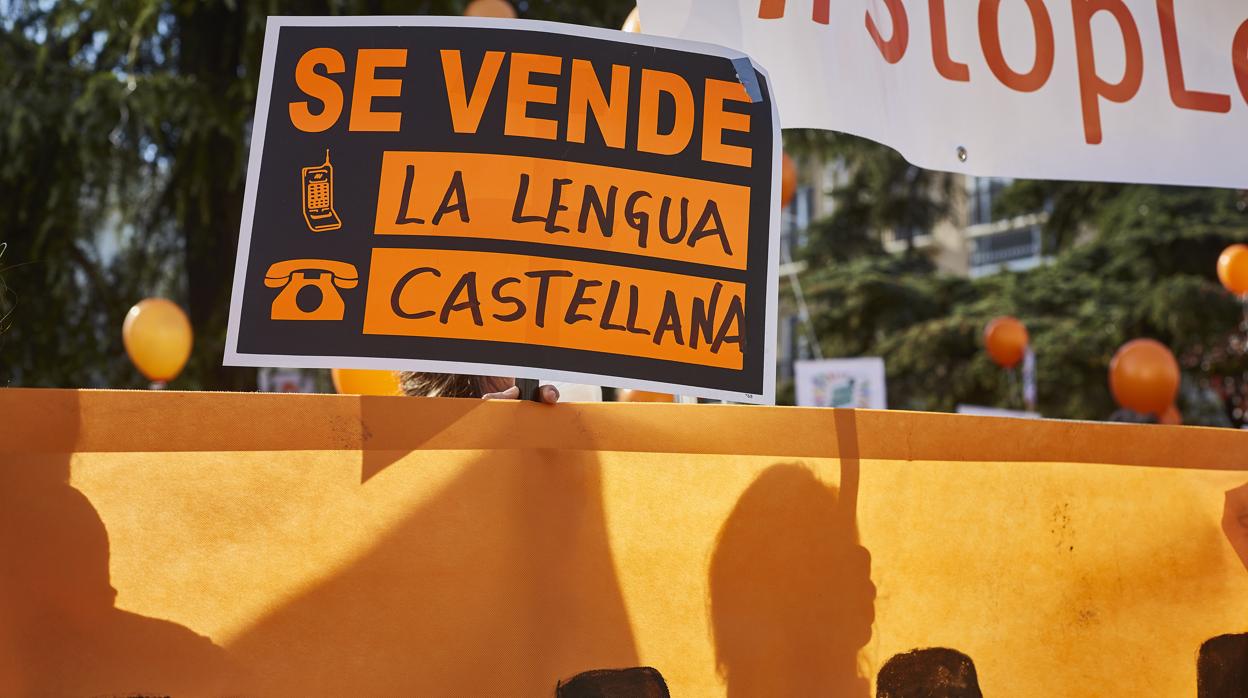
[
  {"x": 557, "y": 303},
  {"x": 225, "y": 544},
  {"x": 556, "y": 202}
]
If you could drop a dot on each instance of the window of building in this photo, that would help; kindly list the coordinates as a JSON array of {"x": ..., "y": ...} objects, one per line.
[
  {"x": 983, "y": 192},
  {"x": 1017, "y": 249},
  {"x": 795, "y": 219}
]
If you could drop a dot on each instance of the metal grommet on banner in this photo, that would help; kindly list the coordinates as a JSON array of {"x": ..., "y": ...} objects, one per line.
[{"x": 962, "y": 154}]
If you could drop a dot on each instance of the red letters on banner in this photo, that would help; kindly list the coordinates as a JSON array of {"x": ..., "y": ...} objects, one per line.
[
  {"x": 1179, "y": 94},
  {"x": 945, "y": 65},
  {"x": 774, "y": 9},
  {"x": 990, "y": 38},
  {"x": 1093, "y": 87},
  {"x": 894, "y": 49},
  {"x": 1239, "y": 56}
]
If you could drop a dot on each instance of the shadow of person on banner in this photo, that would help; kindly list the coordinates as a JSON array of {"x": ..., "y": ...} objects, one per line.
[
  {"x": 791, "y": 597},
  {"x": 499, "y": 582},
  {"x": 1222, "y": 663},
  {"x": 60, "y": 632}
]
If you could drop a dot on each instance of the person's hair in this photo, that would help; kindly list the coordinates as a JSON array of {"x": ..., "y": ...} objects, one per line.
[
  {"x": 1222, "y": 666},
  {"x": 418, "y": 384},
  {"x": 934, "y": 672}
]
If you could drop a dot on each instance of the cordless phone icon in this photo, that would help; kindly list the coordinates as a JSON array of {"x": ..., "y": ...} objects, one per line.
[{"x": 318, "y": 197}]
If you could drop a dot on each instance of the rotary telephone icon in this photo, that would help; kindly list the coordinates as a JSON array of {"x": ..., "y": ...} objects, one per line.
[{"x": 320, "y": 278}]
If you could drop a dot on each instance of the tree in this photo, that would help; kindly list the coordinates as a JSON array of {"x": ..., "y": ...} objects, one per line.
[
  {"x": 884, "y": 194},
  {"x": 124, "y": 127},
  {"x": 1147, "y": 270}
]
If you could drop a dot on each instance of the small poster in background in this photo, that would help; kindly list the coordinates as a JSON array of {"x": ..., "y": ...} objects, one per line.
[
  {"x": 285, "y": 380},
  {"x": 842, "y": 383}
]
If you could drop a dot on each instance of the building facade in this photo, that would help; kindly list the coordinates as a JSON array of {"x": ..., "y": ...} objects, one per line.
[{"x": 974, "y": 240}]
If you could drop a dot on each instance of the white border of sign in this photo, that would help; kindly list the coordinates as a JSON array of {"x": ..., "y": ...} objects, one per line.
[
  {"x": 259, "y": 124},
  {"x": 980, "y": 411}
]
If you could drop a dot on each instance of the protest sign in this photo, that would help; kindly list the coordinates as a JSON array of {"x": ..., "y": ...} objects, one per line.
[
  {"x": 841, "y": 383},
  {"x": 1147, "y": 91},
  {"x": 510, "y": 198}
]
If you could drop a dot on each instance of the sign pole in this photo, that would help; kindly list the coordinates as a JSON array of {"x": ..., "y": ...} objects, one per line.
[{"x": 530, "y": 389}]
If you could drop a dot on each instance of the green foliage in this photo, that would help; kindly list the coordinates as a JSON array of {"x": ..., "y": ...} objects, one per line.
[
  {"x": 1071, "y": 206},
  {"x": 883, "y": 194},
  {"x": 124, "y": 128},
  {"x": 1146, "y": 271}
]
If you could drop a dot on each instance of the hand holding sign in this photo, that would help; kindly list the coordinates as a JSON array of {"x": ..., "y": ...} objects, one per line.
[{"x": 547, "y": 394}]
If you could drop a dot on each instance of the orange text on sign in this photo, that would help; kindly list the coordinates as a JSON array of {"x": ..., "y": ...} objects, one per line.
[
  {"x": 509, "y": 197},
  {"x": 520, "y": 299},
  {"x": 587, "y": 97}
]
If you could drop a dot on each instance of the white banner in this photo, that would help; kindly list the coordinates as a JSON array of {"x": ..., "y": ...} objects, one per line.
[{"x": 1151, "y": 91}]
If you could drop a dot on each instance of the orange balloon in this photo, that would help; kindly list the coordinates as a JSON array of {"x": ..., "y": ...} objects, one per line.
[
  {"x": 633, "y": 22},
  {"x": 788, "y": 180},
  {"x": 358, "y": 381},
  {"x": 157, "y": 336},
  {"x": 644, "y": 396},
  {"x": 490, "y": 8},
  {"x": 1171, "y": 415},
  {"x": 1144, "y": 376},
  {"x": 1233, "y": 269},
  {"x": 1006, "y": 340}
]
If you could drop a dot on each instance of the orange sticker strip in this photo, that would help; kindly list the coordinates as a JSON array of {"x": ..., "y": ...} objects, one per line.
[
  {"x": 498, "y": 297},
  {"x": 554, "y": 202}
]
